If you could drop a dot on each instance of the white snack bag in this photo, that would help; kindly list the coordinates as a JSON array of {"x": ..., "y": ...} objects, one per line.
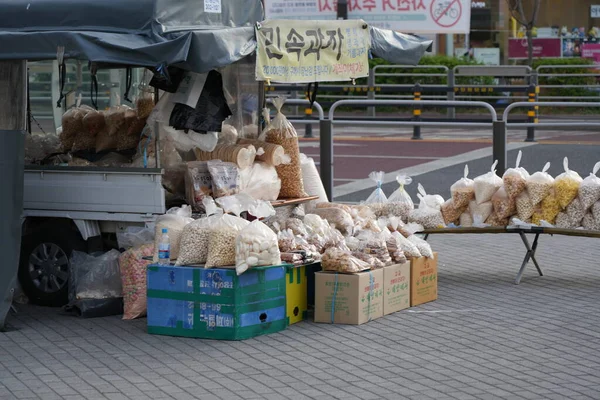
[
  {"x": 174, "y": 220},
  {"x": 221, "y": 243},
  {"x": 487, "y": 184},
  {"x": 432, "y": 200},
  {"x": 481, "y": 212},
  {"x": 589, "y": 190},
  {"x": 463, "y": 190},
  {"x": 515, "y": 179},
  {"x": 409, "y": 248},
  {"x": 539, "y": 185},
  {"x": 257, "y": 244},
  {"x": 422, "y": 245},
  {"x": 466, "y": 220},
  {"x": 566, "y": 185},
  {"x": 377, "y": 200},
  {"x": 399, "y": 203}
]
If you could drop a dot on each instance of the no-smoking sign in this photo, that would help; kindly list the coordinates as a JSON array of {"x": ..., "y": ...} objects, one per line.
[{"x": 446, "y": 13}]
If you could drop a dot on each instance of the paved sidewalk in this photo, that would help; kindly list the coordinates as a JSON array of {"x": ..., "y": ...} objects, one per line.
[{"x": 485, "y": 338}]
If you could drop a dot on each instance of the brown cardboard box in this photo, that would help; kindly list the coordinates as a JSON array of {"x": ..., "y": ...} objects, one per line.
[
  {"x": 356, "y": 298},
  {"x": 423, "y": 278},
  {"x": 396, "y": 288}
]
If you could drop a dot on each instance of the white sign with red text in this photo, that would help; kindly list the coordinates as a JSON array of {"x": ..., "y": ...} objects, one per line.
[{"x": 409, "y": 16}]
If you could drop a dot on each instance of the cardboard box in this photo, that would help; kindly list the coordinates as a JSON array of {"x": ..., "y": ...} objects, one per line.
[
  {"x": 423, "y": 278},
  {"x": 396, "y": 288},
  {"x": 216, "y": 303},
  {"x": 348, "y": 298}
]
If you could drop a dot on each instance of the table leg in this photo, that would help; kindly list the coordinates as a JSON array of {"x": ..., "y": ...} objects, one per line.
[
  {"x": 530, "y": 255},
  {"x": 426, "y": 236}
]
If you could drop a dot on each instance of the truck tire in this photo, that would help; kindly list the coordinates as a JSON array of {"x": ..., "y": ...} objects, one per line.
[{"x": 44, "y": 262}]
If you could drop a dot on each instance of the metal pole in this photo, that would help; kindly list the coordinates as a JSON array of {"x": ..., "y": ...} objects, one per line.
[
  {"x": 417, "y": 113},
  {"x": 532, "y": 112},
  {"x": 326, "y": 164},
  {"x": 499, "y": 145},
  {"x": 371, "y": 94},
  {"x": 451, "y": 112},
  {"x": 308, "y": 127}
]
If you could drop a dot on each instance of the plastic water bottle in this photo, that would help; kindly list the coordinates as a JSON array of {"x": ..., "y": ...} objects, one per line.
[{"x": 164, "y": 248}]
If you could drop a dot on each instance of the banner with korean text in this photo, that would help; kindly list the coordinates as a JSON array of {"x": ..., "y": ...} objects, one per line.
[
  {"x": 408, "y": 16},
  {"x": 312, "y": 51}
]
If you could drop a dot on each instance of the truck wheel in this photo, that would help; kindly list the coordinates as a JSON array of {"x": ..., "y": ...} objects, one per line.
[{"x": 44, "y": 263}]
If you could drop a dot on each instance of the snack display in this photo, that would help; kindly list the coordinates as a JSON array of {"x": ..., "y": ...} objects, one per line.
[
  {"x": 377, "y": 200},
  {"x": 566, "y": 185},
  {"x": 256, "y": 244},
  {"x": 281, "y": 132},
  {"x": 549, "y": 209},
  {"x": 427, "y": 216},
  {"x": 463, "y": 190},
  {"x": 338, "y": 218},
  {"x": 486, "y": 185},
  {"x": 503, "y": 205},
  {"x": 174, "y": 220},
  {"x": 133, "y": 264},
  {"x": 225, "y": 178}
]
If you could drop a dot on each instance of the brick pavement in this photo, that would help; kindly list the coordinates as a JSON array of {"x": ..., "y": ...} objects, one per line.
[{"x": 485, "y": 338}]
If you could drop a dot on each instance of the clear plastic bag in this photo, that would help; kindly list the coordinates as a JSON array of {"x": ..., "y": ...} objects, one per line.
[
  {"x": 409, "y": 248},
  {"x": 399, "y": 203},
  {"x": 256, "y": 244},
  {"x": 575, "y": 211},
  {"x": 395, "y": 249},
  {"x": 377, "y": 200},
  {"x": 465, "y": 220},
  {"x": 589, "y": 190},
  {"x": 496, "y": 221},
  {"x": 451, "y": 213},
  {"x": 539, "y": 185},
  {"x": 313, "y": 186},
  {"x": 225, "y": 178},
  {"x": 596, "y": 212},
  {"x": 590, "y": 223},
  {"x": 487, "y": 184},
  {"x": 296, "y": 226},
  {"x": 286, "y": 241},
  {"x": 272, "y": 154},
  {"x": 116, "y": 120},
  {"x": 198, "y": 184},
  {"x": 72, "y": 125},
  {"x": 525, "y": 207},
  {"x": 228, "y": 135},
  {"x": 94, "y": 277},
  {"x": 427, "y": 216},
  {"x": 463, "y": 190},
  {"x": 174, "y": 220},
  {"x": 566, "y": 185},
  {"x": 281, "y": 132},
  {"x": 221, "y": 242},
  {"x": 432, "y": 200},
  {"x": 375, "y": 245},
  {"x": 515, "y": 179},
  {"x": 503, "y": 205},
  {"x": 549, "y": 209},
  {"x": 134, "y": 236},
  {"x": 338, "y": 218},
  {"x": 193, "y": 248},
  {"x": 261, "y": 182},
  {"x": 422, "y": 245},
  {"x": 316, "y": 225},
  {"x": 481, "y": 212},
  {"x": 563, "y": 221},
  {"x": 133, "y": 265},
  {"x": 342, "y": 261}
]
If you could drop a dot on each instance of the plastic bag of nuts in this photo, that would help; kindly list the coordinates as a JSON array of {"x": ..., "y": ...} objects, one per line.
[
  {"x": 463, "y": 190},
  {"x": 539, "y": 185},
  {"x": 281, "y": 132},
  {"x": 427, "y": 216},
  {"x": 590, "y": 223},
  {"x": 422, "y": 245},
  {"x": 549, "y": 209},
  {"x": 494, "y": 220},
  {"x": 174, "y": 220},
  {"x": 566, "y": 185},
  {"x": 515, "y": 179},
  {"x": 481, "y": 211},
  {"x": 575, "y": 211},
  {"x": 525, "y": 208},
  {"x": 256, "y": 244},
  {"x": 221, "y": 243},
  {"x": 377, "y": 200},
  {"x": 409, "y": 248},
  {"x": 589, "y": 190},
  {"x": 193, "y": 248},
  {"x": 451, "y": 213},
  {"x": 432, "y": 200},
  {"x": 466, "y": 221},
  {"x": 503, "y": 205},
  {"x": 338, "y": 218},
  {"x": 399, "y": 203},
  {"x": 486, "y": 185},
  {"x": 342, "y": 261}
]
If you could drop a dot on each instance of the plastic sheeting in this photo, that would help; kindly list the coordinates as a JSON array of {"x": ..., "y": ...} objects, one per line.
[
  {"x": 396, "y": 47},
  {"x": 136, "y": 33},
  {"x": 11, "y": 207}
]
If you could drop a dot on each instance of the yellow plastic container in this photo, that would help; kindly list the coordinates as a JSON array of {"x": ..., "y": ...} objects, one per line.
[{"x": 296, "y": 293}]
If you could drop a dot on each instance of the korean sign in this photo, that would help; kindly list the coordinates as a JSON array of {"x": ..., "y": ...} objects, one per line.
[
  {"x": 413, "y": 16},
  {"x": 312, "y": 51}
]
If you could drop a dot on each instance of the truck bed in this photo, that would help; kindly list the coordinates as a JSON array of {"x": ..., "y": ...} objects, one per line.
[{"x": 93, "y": 189}]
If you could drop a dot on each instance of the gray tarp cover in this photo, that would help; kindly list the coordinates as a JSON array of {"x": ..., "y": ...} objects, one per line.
[{"x": 151, "y": 32}]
